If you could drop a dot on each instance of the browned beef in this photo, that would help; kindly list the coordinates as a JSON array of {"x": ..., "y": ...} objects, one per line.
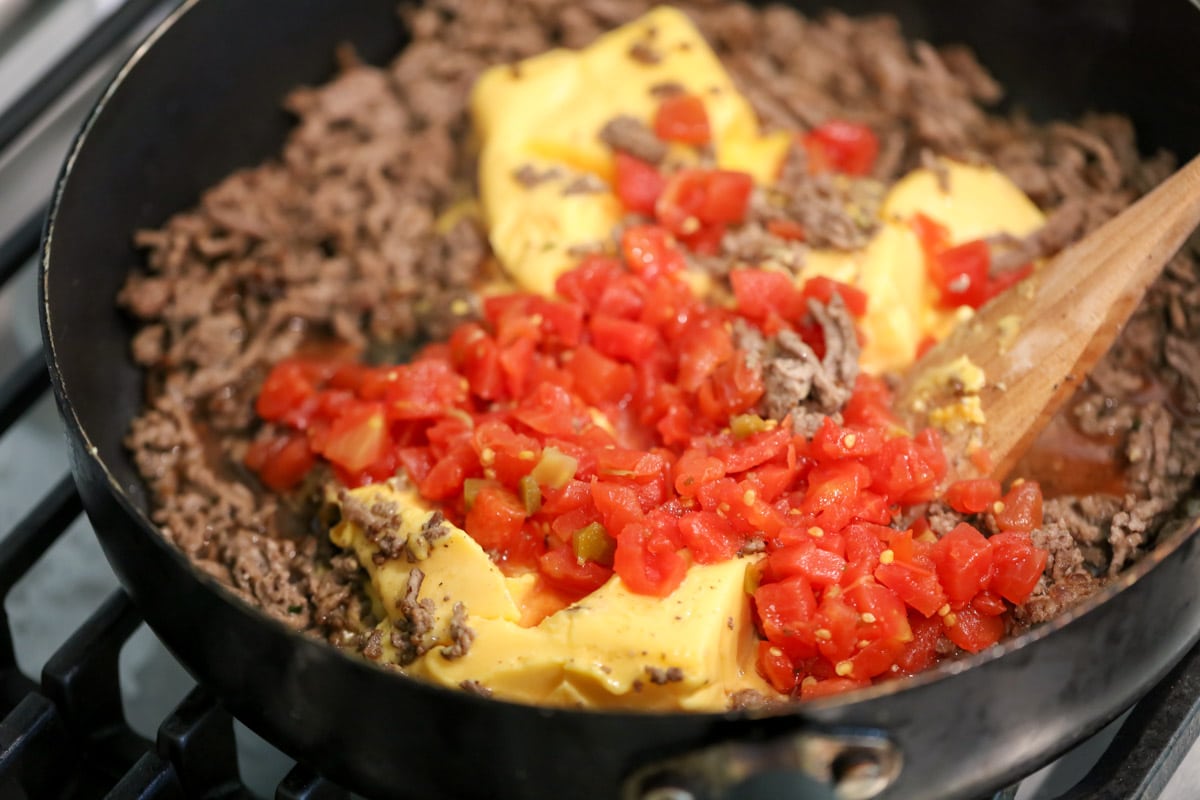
[
  {"x": 797, "y": 382},
  {"x": 632, "y": 136}
]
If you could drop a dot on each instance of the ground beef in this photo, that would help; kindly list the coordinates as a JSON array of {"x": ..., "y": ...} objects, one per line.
[
  {"x": 339, "y": 238},
  {"x": 411, "y": 633},
  {"x": 660, "y": 676},
  {"x": 798, "y": 383},
  {"x": 376, "y": 520},
  {"x": 834, "y": 210},
  {"x": 461, "y": 634},
  {"x": 632, "y": 136},
  {"x": 475, "y": 687}
]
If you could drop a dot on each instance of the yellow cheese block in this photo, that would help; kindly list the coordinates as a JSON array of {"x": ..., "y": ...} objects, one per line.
[
  {"x": 454, "y": 564},
  {"x": 690, "y": 650},
  {"x": 547, "y": 113},
  {"x": 975, "y": 202}
]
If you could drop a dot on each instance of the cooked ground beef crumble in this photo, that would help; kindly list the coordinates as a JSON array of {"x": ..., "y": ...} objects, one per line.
[{"x": 343, "y": 238}]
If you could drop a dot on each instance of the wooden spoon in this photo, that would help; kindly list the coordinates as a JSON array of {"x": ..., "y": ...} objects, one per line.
[{"x": 1036, "y": 342}]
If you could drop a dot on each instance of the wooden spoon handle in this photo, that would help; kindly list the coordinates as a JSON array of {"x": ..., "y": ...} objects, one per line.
[{"x": 1036, "y": 343}]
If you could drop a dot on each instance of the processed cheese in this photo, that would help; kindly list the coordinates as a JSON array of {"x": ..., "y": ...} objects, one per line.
[
  {"x": 546, "y": 113},
  {"x": 690, "y": 650}
]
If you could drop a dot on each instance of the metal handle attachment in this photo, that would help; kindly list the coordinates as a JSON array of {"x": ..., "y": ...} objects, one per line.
[{"x": 811, "y": 765}]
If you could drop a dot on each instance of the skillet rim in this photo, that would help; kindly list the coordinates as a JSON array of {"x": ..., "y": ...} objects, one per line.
[{"x": 856, "y": 698}]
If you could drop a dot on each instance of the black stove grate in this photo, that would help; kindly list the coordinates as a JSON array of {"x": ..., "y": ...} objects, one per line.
[{"x": 67, "y": 737}]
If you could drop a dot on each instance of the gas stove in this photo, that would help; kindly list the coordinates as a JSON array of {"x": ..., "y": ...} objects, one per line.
[{"x": 91, "y": 704}]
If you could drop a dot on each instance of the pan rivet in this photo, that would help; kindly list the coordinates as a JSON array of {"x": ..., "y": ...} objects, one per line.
[
  {"x": 858, "y": 773},
  {"x": 668, "y": 793}
]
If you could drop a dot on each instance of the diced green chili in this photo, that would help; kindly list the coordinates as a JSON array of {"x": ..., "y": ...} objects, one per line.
[
  {"x": 592, "y": 543},
  {"x": 530, "y": 494}
]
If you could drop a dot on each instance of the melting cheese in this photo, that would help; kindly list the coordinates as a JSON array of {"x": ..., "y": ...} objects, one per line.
[
  {"x": 690, "y": 650},
  {"x": 546, "y": 113}
]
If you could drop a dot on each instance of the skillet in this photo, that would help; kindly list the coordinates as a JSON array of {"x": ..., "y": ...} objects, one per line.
[{"x": 201, "y": 98}]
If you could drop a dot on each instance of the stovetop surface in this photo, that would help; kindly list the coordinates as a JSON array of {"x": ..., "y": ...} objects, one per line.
[{"x": 72, "y": 580}]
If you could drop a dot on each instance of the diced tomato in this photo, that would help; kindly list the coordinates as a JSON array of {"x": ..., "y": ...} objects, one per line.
[
  {"x": 916, "y": 586},
  {"x": 358, "y": 438},
  {"x": 973, "y": 631},
  {"x": 704, "y": 241},
  {"x": 598, "y": 378},
  {"x": 709, "y": 537},
  {"x": 926, "y": 344},
  {"x": 587, "y": 282},
  {"x": 786, "y": 229},
  {"x": 282, "y": 461},
  {"x": 823, "y": 289},
  {"x": 833, "y": 492},
  {"x": 961, "y": 274},
  {"x": 1016, "y": 566},
  {"x": 622, "y": 339},
  {"x": 882, "y": 613},
  {"x": 756, "y": 449},
  {"x": 424, "y": 390},
  {"x": 964, "y": 563},
  {"x": 771, "y": 481},
  {"x": 933, "y": 235},
  {"x": 841, "y": 146},
  {"x": 973, "y": 496},
  {"x": 570, "y": 496},
  {"x": 477, "y": 358},
  {"x": 495, "y": 518},
  {"x": 921, "y": 653},
  {"x": 908, "y": 470},
  {"x": 445, "y": 478},
  {"x": 287, "y": 386},
  {"x": 785, "y": 612},
  {"x": 876, "y": 658},
  {"x": 694, "y": 469},
  {"x": 564, "y": 571},
  {"x": 774, "y": 665},
  {"x": 762, "y": 294},
  {"x": 618, "y": 506},
  {"x": 863, "y": 546},
  {"x": 834, "y": 443},
  {"x": 682, "y": 118},
  {"x": 649, "y": 252},
  {"x": 509, "y": 455},
  {"x": 1022, "y": 508},
  {"x": 703, "y": 345},
  {"x": 694, "y": 198},
  {"x": 818, "y": 567},
  {"x": 648, "y": 562},
  {"x": 870, "y": 404},
  {"x": 837, "y": 628},
  {"x": 630, "y": 465},
  {"x": 733, "y": 387},
  {"x": 638, "y": 184},
  {"x": 989, "y": 604}
]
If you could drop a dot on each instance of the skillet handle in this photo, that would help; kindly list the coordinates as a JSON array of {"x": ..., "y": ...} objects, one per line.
[{"x": 839, "y": 764}]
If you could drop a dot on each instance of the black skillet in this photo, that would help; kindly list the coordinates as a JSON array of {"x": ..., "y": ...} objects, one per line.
[{"x": 201, "y": 98}]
